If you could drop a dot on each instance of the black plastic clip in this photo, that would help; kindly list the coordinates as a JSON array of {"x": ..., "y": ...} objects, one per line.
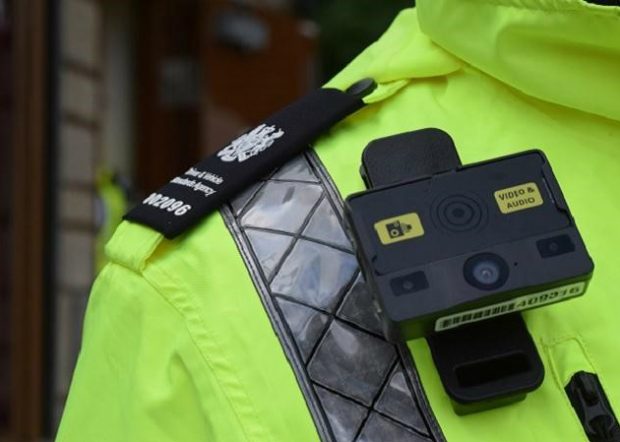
[
  {"x": 483, "y": 365},
  {"x": 487, "y": 364}
]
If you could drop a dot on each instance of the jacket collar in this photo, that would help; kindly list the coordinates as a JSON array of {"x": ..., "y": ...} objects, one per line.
[{"x": 562, "y": 51}]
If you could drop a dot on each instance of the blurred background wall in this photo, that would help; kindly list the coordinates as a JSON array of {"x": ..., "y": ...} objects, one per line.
[{"x": 102, "y": 101}]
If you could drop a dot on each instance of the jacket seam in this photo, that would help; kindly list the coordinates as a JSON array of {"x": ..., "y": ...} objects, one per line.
[
  {"x": 192, "y": 336},
  {"x": 556, "y": 377}
]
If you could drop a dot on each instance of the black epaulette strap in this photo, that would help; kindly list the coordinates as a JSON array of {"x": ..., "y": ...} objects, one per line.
[{"x": 203, "y": 188}]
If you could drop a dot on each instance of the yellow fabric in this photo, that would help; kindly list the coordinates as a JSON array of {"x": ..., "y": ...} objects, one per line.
[
  {"x": 561, "y": 51},
  {"x": 177, "y": 347},
  {"x": 566, "y": 357}
]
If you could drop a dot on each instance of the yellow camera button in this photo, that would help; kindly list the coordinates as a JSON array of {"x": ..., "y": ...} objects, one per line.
[{"x": 399, "y": 228}]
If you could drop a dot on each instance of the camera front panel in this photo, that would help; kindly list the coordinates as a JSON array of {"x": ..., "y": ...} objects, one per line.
[{"x": 478, "y": 236}]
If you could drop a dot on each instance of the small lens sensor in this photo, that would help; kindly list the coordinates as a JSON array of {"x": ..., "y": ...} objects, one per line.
[
  {"x": 557, "y": 245},
  {"x": 413, "y": 282},
  {"x": 486, "y": 271}
]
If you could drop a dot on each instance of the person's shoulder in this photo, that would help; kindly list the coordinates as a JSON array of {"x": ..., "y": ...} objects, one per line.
[
  {"x": 132, "y": 245},
  {"x": 139, "y": 247}
]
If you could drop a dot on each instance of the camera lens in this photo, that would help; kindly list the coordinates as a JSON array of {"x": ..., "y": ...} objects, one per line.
[{"x": 486, "y": 271}]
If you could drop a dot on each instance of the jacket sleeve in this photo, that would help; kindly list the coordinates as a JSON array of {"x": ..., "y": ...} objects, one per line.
[{"x": 139, "y": 376}]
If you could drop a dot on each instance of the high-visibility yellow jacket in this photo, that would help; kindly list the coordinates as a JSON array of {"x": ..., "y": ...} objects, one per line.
[{"x": 255, "y": 325}]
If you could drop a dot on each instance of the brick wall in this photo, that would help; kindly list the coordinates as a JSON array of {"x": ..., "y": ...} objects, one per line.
[{"x": 79, "y": 151}]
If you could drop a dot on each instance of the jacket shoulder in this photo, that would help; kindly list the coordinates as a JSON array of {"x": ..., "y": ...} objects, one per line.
[
  {"x": 132, "y": 245},
  {"x": 136, "y": 246}
]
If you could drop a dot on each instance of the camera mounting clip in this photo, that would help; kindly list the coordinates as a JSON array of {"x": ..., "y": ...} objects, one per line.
[{"x": 482, "y": 365}]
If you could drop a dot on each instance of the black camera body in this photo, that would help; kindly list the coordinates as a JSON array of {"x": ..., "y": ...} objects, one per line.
[{"x": 468, "y": 244}]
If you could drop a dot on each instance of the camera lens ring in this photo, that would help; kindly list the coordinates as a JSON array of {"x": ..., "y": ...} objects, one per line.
[
  {"x": 486, "y": 271},
  {"x": 459, "y": 213}
]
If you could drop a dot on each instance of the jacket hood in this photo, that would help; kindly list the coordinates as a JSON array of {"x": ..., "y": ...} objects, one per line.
[{"x": 562, "y": 51}]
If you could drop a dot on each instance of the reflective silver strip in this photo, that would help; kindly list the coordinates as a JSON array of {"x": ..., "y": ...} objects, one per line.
[{"x": 358, "y": 386}]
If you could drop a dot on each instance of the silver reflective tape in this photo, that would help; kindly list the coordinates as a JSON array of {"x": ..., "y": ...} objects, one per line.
[{"x": 358, "y": 386}]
